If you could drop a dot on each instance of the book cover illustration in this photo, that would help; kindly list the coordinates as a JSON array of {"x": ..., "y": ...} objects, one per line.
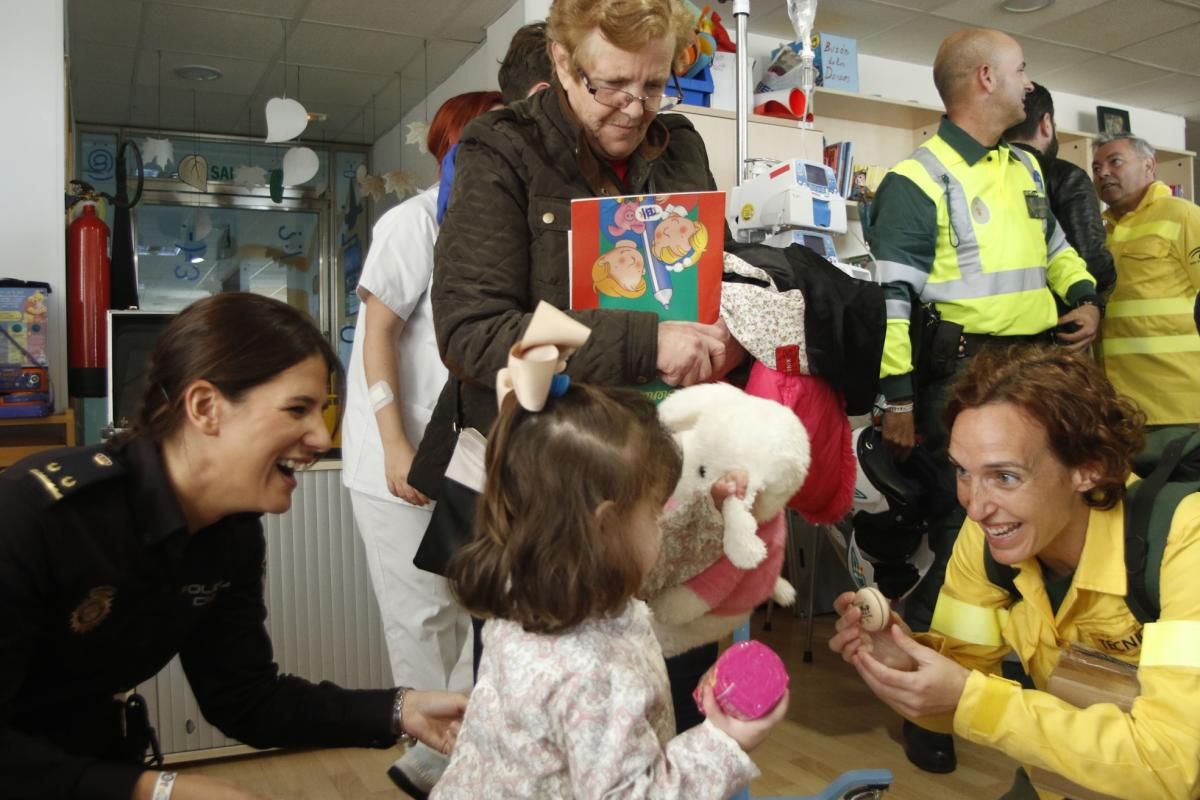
[{"x": 658, "y": 253}]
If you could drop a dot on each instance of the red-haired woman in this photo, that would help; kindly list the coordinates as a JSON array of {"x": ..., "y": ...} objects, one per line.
[
  {"x": 1042, "y": 445},
  {"x": 394, "y": 379}
]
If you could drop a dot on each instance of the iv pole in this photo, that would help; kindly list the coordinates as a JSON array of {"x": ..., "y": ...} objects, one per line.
[
  {"x": 857, "y": 783},
  {"x": 741, "y": 16}
]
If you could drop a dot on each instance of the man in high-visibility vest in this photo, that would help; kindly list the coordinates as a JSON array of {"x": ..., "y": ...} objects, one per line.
[
  {"x": 1149, "y": 344},
  {"x": 963, "y": 227}
]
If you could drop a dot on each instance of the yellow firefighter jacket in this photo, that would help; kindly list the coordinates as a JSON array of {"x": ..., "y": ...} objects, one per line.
[
  {"x": 1152, "y": 752},
  {"x": 1150, "y": 348}
]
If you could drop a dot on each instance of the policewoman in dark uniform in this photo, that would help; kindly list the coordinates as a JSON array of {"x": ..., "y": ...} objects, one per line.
[{"x": 116, "y": 557}]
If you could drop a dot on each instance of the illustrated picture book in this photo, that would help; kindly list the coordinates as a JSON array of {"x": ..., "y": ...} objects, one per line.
[{"x": 658, "y": 253}]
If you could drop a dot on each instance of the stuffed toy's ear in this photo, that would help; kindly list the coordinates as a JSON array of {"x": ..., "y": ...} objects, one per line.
[
  {"x": 682, "y": 409},
  {"x": 784, "y": 593},
  {"x": 742, "y": 545}
]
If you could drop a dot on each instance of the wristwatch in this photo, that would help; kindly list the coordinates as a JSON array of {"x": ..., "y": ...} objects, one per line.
[
  {"x": 408, "y": 740},
  {"x": 1092, "y": 300}
]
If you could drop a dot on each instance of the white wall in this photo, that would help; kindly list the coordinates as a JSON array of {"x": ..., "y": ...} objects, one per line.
[
  {"x": 1192, "y": 133},
  {"x": 477, "y": 73},
  {"x": 32, "y": 148}
]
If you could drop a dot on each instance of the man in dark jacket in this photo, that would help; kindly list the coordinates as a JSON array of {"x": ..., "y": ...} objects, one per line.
[{"x": 1072, "y": 196}]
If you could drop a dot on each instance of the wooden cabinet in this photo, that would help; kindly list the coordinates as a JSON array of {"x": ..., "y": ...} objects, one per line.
[{"x": 23, "y": 437}]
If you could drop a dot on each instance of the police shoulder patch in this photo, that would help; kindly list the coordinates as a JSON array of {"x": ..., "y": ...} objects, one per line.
[
  {"x": 60, "y": 473},
  {"x": 94, "y": 609}
]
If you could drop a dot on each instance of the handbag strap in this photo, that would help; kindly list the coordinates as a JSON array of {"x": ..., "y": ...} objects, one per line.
[{"x": 458, "y": 406}]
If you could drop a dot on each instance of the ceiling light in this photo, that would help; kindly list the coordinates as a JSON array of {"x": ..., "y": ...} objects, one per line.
[
  {"x": 317, "y": 116},
  {"x": 198, "y": 72},
  {"x": 1025, "y": 6}
]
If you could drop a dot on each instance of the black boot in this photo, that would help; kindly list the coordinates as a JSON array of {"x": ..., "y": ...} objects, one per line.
[{"x": 932, "y": 752}]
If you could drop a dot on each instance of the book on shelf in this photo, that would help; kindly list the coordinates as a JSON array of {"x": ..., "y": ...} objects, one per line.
[
  {"x": 658, "y": 253},
  {"x": 839, "y": 157}
]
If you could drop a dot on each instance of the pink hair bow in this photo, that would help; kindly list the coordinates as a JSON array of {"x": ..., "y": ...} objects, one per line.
[{"x": 542, "y": 353}]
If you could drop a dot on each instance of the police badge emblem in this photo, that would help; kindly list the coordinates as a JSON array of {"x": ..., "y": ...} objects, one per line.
[
  {"x": 93, "y": 610},
  {"x": 979, "y": 210}
]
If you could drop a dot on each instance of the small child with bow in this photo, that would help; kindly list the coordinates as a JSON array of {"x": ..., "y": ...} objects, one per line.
[{"x": 572, "y": 698}]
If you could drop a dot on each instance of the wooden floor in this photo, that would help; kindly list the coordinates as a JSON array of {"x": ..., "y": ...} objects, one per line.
[{"x": 834, "y": 724}]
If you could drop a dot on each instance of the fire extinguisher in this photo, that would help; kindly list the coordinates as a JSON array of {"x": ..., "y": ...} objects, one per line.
[{"x": 89, "y": 282}]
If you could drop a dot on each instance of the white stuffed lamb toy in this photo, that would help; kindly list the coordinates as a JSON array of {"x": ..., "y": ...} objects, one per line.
[{"x": 716, "y": 568}]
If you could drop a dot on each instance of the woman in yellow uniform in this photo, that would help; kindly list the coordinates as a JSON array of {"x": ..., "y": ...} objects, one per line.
[{"x": 1042, "y": 445}]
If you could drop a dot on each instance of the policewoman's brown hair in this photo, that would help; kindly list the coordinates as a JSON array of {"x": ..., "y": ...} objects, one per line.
[
  {"x": 235, "y": 341},
  {"x": 1087, "y": 423},
  {"x": 539, "y": 556}
]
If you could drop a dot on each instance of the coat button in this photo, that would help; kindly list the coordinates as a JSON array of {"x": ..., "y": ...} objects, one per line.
[{"x": 548, "y": 217}]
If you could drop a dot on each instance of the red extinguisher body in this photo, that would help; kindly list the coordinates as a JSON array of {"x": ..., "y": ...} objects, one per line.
[{"x": 88, "y": 291}]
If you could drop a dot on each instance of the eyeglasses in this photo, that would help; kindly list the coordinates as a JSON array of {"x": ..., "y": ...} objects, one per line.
[{"x": 616, "y": 98}]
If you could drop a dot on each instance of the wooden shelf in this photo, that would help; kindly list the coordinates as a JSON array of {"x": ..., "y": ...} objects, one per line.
[
  {"x": 720, "y": 113},
  {"x": 23, "y": 437},
  {"x": 884, "y": 132},
  {"x": 855, "y": 107}
]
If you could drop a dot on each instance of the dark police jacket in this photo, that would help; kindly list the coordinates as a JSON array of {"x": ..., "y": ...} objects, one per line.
[{"x": 100, "y": 586}]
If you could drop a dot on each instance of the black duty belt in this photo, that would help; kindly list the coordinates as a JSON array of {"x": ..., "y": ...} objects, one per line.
[{"x": 971, "y": 343}]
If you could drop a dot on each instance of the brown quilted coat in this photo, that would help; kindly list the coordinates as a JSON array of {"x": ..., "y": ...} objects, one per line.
[{"x": 503, "y": 247}]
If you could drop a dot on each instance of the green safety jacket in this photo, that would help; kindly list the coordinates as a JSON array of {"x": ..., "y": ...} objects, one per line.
[{"x": 968, "y": 228}]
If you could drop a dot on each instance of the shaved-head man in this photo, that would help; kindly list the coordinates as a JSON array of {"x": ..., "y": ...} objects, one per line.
[{"x": 964, "y": 241}]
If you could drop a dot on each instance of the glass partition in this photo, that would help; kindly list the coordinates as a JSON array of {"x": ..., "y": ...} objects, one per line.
[
  {"x": 306, "y": 249},
  {"x": 186, "y": 252}
]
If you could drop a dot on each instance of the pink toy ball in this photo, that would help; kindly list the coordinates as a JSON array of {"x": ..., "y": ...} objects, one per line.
[{"x": 748, "y": 680}]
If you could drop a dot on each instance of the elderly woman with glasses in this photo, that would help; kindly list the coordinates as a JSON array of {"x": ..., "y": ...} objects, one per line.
[{"x": 597, "y": 131}]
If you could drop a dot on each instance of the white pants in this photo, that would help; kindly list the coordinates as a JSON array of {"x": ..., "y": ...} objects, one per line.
[{"x": 428, "y": 635}]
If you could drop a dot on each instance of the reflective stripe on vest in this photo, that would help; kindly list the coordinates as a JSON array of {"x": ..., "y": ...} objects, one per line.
[
  {"x": 1146, "y": 345},
  {"x": 1058, "y": 242},
  {"x": 1171, "y": 643},
  {"x": 1165, "y": 229},
  {"x": 898, "y": 309},
  {"x": 968, "y": 623},
  {"x": 974, "y": 283},
  {"x": 961, "y": 229},
  {"x": 1160, "y": 307}
]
